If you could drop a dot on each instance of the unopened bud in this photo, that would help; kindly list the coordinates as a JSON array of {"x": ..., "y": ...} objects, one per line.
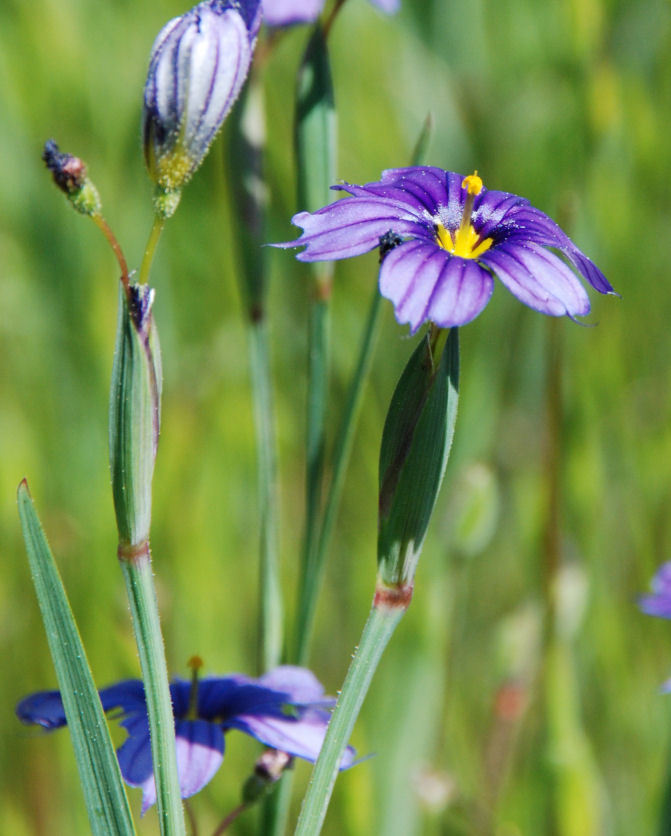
[
  {"x": 416, "y": 443},
  {"x": 268, "y": 770},
  {"x": 197, "y": 67},
  {"x": 70, "y": 176},
  {"x": 134, "y": 418}
]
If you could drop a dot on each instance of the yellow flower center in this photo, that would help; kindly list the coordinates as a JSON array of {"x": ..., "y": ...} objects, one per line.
[
  {"x": 465, "y": 244},
  {"x": 465, "y": 241}
]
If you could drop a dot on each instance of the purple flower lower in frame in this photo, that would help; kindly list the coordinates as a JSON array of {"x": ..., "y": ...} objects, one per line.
[
  {"x": 455, "y": 235},
  {"x": 659, "y": 602},
  {"x": 288, "y": 12},
  {"x": 285, "y": 709}
]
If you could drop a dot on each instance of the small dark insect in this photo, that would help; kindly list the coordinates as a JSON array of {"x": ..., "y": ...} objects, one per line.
[{"x": 389, "y": 241}]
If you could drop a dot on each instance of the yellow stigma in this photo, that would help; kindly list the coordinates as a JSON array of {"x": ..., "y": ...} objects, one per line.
[
  {"x": 472, "y": 183},
  {"x": 465, "y": 243},
  {"x": 195, "y": 663}
]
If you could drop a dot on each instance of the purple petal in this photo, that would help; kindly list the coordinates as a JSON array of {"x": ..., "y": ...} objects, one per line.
[
  {"x": 461, "y": 293},
  {"x": 135, "y": 760},
  {"x": 43, "y": 709},
  {"x": 127, "y": 695},
  {"x": 300, "y": 685},
  {"x": 224, "y": 698},
  {"x": 350, "y": 227},
  {"x": 180, "y": 696},
  {"x": 388, "y": 6},
  {"x": 420, "y": 189},
  {"x": 287, "y": 12},
  {"x": 425, "y": 282},
  {"x": 659, "y": 603},
  {"x": 200, "y": 751},
  {"x": 301, "y": 737},
  {"x": 655, "y": 605},
  {"x": 526, "y": 223},
  {"x": 46, "y": 708},
  {"x": 492, "y": 208},
  {"x": 538, "y": 278},
  {"x": 590, "y": 271}
]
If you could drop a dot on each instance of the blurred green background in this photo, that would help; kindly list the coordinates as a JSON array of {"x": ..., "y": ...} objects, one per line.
[{"x": 492, "y": 711}]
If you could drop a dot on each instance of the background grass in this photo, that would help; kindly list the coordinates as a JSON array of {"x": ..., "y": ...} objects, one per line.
[{"x": 488, "y": 714}]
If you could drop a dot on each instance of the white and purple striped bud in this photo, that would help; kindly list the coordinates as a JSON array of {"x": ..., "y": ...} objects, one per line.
[{"x": 197, "y": 67}]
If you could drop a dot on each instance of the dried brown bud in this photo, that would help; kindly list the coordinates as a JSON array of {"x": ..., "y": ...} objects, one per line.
[
  {"x": 70, "y": 176},
  {"x": 69, "y": 172}
]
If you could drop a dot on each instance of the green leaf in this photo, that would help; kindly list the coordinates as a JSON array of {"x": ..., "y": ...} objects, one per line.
[
  {"x": 421, "y": 150},
  {"x": 103, "y": 787},
  {"x": 250, "y": 192},
  {"x": 415, "y": 447},
  {"x": 315, "y": 125}
]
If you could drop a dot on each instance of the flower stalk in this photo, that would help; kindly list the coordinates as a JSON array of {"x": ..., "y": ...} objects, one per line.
[
  {"x": 246, "y": 171},
  {"x": 138, "y": 575},
  {"x": 133, "y": 436},
  {"x": 315, "y": 154},
  {"x": 377, "y": 632},
  {"x": 415, "y": 446},
  {"x": 312, "y": 579}
]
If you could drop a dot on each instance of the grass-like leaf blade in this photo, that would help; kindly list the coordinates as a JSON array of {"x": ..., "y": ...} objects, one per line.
[{"x": 101, "y": 780}]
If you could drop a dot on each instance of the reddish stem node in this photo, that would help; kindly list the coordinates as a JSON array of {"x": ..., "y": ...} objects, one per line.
[
  {"x": 134, "y": 553},
  {"x": 393, "y": 597}
]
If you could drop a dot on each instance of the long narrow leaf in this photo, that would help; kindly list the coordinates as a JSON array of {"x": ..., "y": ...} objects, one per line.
[{"x": 102, "y": 785}]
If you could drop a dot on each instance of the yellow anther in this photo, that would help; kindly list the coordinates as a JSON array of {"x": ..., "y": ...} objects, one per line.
[
  {"x": 444, "y": 238},
  {"x": 472, "y": 183},
  {"x": 465, "y": 243},
  {"x": 195, "y": 663}
]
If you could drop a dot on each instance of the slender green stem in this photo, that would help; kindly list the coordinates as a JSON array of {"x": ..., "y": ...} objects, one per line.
[
  {"x": 314, "y": 568},
  {"x": 137, "y": 573},
  {"x": 104, "y": 227},
  {"x": 270, "y": 610},
  {"x": 318, "y": 370},
  {"x": 378, "y": 630},
  {"x": 150, "y": 249},
  {"x": 230, "y": 818},
  {"x": 331, "y": 18}
]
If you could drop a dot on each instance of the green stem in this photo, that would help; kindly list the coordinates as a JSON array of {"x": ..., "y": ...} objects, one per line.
[
  {"x": 318, "y": 362},
  {"x": 150, "y": 249},
  {"x": 139, "y": 579},
  {"x": 314, "y": 567},
  {"x": 378, "y": 630},
  {"x": 104, "y": 227},
  {"x": 270, "y": 610}
]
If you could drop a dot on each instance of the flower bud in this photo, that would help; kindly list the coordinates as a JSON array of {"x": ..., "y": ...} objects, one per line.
[
  {"x": 197, "y": 67},
  {"x": 70, "y": 176},
  {"x": 268, "y": 770},
  {"x": 416, "y": 443},
  {"x": 135, "y": 405}
]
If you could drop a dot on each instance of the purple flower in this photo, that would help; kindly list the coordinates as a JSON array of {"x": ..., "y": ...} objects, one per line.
[
  {"x": 659, "y": 603},
  {"x": 285, "y": 709},
  {"x": 198, "y": 64},
  {"x": 443, "y": 237},
  {"x": 287, "y": 12}
]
